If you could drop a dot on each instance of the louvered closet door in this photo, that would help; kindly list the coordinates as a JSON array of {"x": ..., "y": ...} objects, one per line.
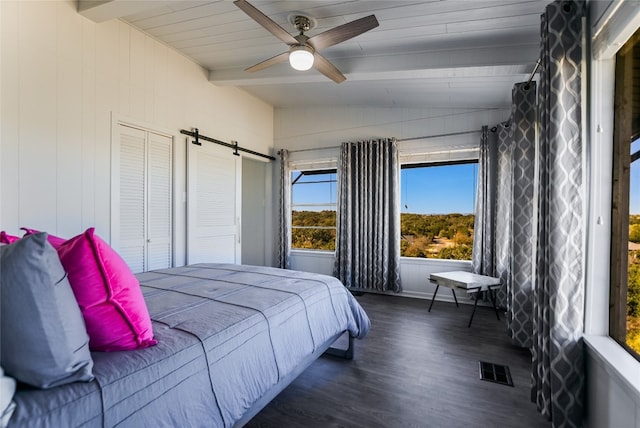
[
  {"x": 142, "y": 223},
  {"x": 213, "y": 175},
  {"x": 132, "y": 184},
  {"x": 159, "y": 202}
]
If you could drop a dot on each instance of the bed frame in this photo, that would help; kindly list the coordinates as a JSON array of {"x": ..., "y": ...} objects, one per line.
[{"x": 324, "y": 349}]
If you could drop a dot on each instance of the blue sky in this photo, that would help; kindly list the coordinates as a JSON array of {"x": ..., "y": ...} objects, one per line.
[
  {"x": 432, "y": 190},
  {"x": 307, "y": 191},
  {"x": 439, "y": 189},
  {"x": 435, "y": 190}
]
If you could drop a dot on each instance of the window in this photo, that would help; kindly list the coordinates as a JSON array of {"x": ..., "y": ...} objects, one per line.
[
  {"x": 313, "y": 210},
  {"x": 633, "y": 285},
  {"x": 624, "y": 315},
  {"x": 438, "y": 201}
]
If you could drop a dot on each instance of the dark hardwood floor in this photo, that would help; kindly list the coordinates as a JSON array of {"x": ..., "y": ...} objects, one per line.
[{"x": 414, "y": 369}]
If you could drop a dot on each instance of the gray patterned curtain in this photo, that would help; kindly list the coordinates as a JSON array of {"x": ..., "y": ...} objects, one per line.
[
  {"x": 514, "y": 212},
  {"x": 284, "y": 212},
  {"x": 557, "y": 350},
  {"x": 368, "y": 223},
  {"x": 519, "y": 290},
  {"x": 482, "y": 256},
  {"x": 505, "y": 189},
  {"x": 504, "y": 209}
]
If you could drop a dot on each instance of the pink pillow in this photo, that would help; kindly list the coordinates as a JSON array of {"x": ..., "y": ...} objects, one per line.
[
  {"x": 55, "y": 241},
  {"x": 108, "y": 294},
  {"x": 7, "y": 239}
]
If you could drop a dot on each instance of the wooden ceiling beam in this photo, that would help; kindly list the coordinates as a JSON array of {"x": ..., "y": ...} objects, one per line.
[
  {"x": 105, "y": 10},
  {"x": 456, "y": 64}
]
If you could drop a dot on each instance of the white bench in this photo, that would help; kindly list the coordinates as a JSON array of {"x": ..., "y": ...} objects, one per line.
[{"x": 470, "y": 282}]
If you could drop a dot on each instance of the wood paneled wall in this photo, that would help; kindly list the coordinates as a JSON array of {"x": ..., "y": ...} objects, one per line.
[
  {"x": 317, "y": 127},
  {"x": 63, "y": 78}
]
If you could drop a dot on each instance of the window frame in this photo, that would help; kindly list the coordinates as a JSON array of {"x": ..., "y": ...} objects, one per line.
[
  {"x": 623, "y": 136},
  {"x": 313, "y": 171},
  {"x": 431, "y": 164}
]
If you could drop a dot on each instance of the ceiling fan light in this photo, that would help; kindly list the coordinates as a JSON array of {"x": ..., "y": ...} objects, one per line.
[{"x": 301, "y": 58}]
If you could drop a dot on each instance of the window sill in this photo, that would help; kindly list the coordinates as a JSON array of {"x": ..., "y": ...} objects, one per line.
[
  {"x": 616, "y": 361},
  {"x": 321, "y": 253},
  {"x": 422, "y": 260}
]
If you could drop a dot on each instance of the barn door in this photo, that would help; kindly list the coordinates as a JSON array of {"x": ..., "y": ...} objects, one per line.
[{"x": 213, "y": 204}]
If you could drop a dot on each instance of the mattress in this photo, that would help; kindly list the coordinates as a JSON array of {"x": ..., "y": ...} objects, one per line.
[{"x": 228, "y": 334}]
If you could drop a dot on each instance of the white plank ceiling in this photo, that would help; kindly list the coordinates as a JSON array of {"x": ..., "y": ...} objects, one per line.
[{"x": 448, "y": 53}]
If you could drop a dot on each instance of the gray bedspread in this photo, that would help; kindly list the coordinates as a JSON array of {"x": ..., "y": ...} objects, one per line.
[{"x": 227, "y": 335}]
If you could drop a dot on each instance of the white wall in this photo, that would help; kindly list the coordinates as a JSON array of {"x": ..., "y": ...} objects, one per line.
[
  {"x": 414, "y": 272},
  {"x": 612, "y": 374},
  {"x": 315, "y": 127},
  {"x": 63, "y": 77},
  {"x": 327, "y": 127},
  {"x": 254, "y": 206}
]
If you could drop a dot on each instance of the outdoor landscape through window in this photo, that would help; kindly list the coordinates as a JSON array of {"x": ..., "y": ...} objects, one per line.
[
  {"x": 438, "y": 202},
  {"x": 633, "y": 278},
  {"x": 313, "y": 210},
  {"x": 436, "y": 219}
]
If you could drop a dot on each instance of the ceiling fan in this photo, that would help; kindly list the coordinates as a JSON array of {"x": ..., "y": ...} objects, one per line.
[{"x": 303, "y": 50}]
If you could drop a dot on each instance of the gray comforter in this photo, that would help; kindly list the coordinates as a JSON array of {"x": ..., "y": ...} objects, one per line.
[{"x": 227, "y": 335}]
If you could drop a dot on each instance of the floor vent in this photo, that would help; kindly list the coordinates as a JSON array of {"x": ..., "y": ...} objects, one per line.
[{"x": 495, "y": 373}]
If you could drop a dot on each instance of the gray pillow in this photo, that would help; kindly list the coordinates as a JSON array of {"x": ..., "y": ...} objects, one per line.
[{"x": 43, "y": 340}]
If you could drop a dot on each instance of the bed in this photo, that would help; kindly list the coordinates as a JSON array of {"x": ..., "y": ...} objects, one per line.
[{"x": 230, "y": 338}]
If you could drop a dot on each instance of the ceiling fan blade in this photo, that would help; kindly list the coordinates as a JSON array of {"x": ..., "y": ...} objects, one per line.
[
  {"x": 266, "y": 22},
  {"x": 343, "y": 32},
  {"x": 323, "y": 65},
  {"x": 268, "y": 62}
]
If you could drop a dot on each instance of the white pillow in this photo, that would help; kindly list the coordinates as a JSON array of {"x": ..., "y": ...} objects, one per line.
[{"x": 7, "y": 389}]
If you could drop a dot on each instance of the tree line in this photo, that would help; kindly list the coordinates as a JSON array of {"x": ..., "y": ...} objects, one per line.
[
  {"x": 440, "y": 236},
  {"x": 444, "y": 236},
  {"x": 308, "y": 230}
]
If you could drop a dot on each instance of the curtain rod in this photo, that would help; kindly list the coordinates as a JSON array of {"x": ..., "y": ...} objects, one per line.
[
  {"x": 535, "y": 68},
  {"x": 233, "y": 145},
  {"x": 440, "y": 152},
  {"x": 451, "y": 134},
  {"x": 404, "y": 139},
  {"x": 312, "y": 150}
]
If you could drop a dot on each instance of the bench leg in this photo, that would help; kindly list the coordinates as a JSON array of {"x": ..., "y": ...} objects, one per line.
[
  {"x": 493, "y": 301},
  {"x": 454, "y": 297},
  {"x": 434, "y": 297},
  {"x": 475, "y": 304}
]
